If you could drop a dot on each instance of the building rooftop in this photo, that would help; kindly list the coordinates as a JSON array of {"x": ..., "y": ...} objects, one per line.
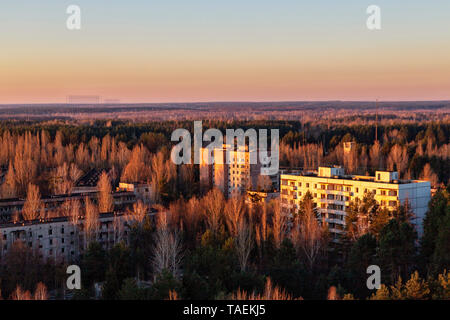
[
  {"x": 90, "y": 179},
  {"x": 392, "y": 176}
]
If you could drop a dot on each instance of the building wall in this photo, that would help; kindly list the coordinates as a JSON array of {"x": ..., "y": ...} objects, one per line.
[
  {"x": 61, "y": 240},
  {"x": 333, "y": 195},
  {"x": 233, "y": 178},
  {"x": 121, "y": 199}
]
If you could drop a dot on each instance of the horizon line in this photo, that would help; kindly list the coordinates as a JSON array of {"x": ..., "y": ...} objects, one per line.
[{"x": 218, "y": 101}]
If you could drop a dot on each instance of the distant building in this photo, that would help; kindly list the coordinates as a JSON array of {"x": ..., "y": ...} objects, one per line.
[
  {"x": 332, "y": 192},
  {"x": 260, "y": 196},
  {"x": 142, "y": 191},
  {"x": 60, "y": 239},
  {"x": 88, "y": 182},
  {"x": 8, "y": 207}
]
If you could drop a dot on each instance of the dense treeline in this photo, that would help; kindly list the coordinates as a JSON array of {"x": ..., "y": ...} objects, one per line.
[
  {"x": 212, "y": 248},
  {"x": 56, "y": 152},
  {"x": 206, "y": 247}
]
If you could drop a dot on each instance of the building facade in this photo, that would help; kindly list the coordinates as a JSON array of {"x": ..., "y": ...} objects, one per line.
[
  {"x": 235, "y": 177},
  {"x": 332, "y": 192},
  {"x": 55, "y": 236}
]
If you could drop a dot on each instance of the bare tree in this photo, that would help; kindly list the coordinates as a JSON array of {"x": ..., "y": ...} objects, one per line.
[
  {"x": 19, "y": 294},
  {"x": 429, "y": 175},
  {"x": 91, "y": 222},
  {"x": 375, "y": 155},
  {"x": 72, "y": 210},
  {"x": 167, "y": 251},
  {"x": 41, "y": 292},
  {"x": 234, "y": 211},
  {"x": 307, "y": 235},
  {"x": 105, "y": 199},
  {"x": 213, "y": 204},
  {"x": 119, "y": 228},
  {"x": 279, "y": 223},
  {"x": 191, "y": 218},
  {"x": 332, "y": 294},
  {"x": 244, "y": 243},
  {"x": 398, "y": 157},
  {"x": 9, "y": 186},
  {"x": 271, "y": 292},
  {"x": 136, "y": 169},
  {"x": 139, "y": 211},
  {"x": 32, "y": 203}
]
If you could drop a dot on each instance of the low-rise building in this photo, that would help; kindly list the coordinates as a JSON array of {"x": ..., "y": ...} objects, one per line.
[{"x": 260, "y": 196}]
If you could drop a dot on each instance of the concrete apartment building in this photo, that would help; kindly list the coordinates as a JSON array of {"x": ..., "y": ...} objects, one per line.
[
  {"x": 56, "y": 237},
  {"x": 332, "y": 192},
  {"x": 61, "y": 240},
  {"x": 236, "y": 177}
]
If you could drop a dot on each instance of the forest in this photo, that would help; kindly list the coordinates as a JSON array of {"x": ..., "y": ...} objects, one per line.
[{"x": 203, "y": 246}]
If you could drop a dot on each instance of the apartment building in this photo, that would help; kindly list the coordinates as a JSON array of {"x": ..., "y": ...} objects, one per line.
[
  {"x": 125, "y": 196},
  {"x": 235, "y": 177},
  {"x": 54, "y": 236},
  {"x": 332, "y": 192},
  {"x": 62, "y": 240}
]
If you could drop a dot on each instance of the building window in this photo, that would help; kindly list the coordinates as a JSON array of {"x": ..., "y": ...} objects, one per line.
[{"x": 393, "y": 193}]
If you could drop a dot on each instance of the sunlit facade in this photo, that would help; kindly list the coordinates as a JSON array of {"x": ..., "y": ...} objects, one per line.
[{"x": 332, "y": 192}]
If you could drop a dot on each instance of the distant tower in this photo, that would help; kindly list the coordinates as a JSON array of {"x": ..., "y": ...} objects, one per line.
[{"x": 376, "y": 120}]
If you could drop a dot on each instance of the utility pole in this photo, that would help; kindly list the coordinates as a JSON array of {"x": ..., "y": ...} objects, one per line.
[{"x": 376, "y": 120}]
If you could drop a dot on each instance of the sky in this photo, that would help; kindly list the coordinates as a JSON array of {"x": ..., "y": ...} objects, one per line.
[{"x": 217, "y": 50}]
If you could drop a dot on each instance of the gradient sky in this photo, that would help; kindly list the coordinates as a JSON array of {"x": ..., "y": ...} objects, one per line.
[{"x": 217, "y": 50}]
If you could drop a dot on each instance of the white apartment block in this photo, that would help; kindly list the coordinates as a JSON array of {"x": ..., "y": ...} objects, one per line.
[
  {"x": 235, "y": 177},
  {"x": 332, "y": 192}
]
